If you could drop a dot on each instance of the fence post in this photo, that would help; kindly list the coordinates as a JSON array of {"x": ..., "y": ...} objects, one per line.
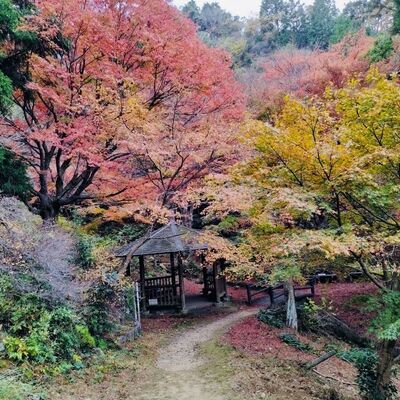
[
  {"x": 248, "y": 289},
  {"x": 312, "y": 282},
  {"x": 271, "y": 294}
]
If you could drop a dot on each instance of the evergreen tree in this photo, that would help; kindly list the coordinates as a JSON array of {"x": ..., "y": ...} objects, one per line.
[
  {"x": 21, "y": 45},
  {"x": 8, "y": 22},
  {"x": 216, "y": 26},
  {"x": 321, "y": 24},
  {"x": 192, "y": 10},
  {"x": 396, "y": 17},
  {"x": 343, "y": 25},
  {"x": 282, "y": 22},
  {"x": 14, "y": 180}
]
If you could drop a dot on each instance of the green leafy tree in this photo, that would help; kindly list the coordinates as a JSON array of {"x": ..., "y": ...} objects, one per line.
[
  {"x": 329, "y": 181},
  {"x": 21, "y": 44},
  {"x": 281, "y": 22},
  {"x": 8, "y": 22},
  {"x": 218, "y": 28},
  {"x": 14, "y": 180},
  {"x": 215, "y": 23}
]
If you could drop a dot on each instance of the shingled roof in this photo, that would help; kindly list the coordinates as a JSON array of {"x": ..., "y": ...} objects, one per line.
[{"x": 171, "y": 238}]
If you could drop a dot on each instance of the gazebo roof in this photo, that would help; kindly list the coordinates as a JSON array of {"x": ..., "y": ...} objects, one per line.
[{"x": 171, "y": 238}]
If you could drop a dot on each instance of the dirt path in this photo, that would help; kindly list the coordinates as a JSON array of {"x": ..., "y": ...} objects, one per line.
[{"x": 179, "y": 372}]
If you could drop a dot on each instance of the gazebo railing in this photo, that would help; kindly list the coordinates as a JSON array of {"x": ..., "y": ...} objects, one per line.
[{"x": 162, "y": 292}]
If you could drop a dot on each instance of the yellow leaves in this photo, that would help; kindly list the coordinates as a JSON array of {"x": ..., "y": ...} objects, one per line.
[
  {"x": 136, "y": 111},
  {"x": 238, "y": 257},
  {"x": 370, "y": 124},
  {"x": 303, "y": 147}
]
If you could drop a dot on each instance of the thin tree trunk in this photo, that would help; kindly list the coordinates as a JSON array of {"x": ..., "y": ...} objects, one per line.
[
  {"x": 386, "y": 353},
  {"x": 291, "y": 314}
]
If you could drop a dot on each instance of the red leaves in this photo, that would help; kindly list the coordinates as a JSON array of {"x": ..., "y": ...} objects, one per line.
[
  {"x": 101, "y": 54},
  {"x": 306, "y": 73}
]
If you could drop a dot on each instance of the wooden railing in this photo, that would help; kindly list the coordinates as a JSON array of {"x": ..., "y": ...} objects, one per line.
[
  {"x": 254, "y": 291},
  {"x": 278, "y": 291},
  {"x": 162, "y": 292}
]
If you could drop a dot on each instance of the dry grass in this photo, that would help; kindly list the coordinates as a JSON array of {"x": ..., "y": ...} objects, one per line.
[{"x": 253, "y": 377}]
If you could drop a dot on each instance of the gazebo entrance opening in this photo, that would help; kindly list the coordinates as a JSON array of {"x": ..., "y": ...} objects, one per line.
[{"x": 171, "y": 243}]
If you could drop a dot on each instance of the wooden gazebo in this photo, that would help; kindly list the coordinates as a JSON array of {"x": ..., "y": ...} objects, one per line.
[{"x": 169, "y": 291}]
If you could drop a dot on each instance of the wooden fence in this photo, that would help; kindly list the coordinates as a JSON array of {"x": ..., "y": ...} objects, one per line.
[
  {"x": 162, "y": 292},
  {"x": 278, "y": 291}
]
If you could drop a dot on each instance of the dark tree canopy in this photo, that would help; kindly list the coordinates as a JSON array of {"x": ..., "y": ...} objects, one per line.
[
  {"x": 14, "y": 180},
  {"x": 322, "y": 15}
]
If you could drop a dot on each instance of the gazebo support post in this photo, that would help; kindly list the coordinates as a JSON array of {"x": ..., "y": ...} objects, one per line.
[
  {"x": 215, "y": 274},
  {"x": 222, "y": 264},
  {"x": 143, "y": 283},
  {"x": 181, "y": 283},
  {"x": 173, "y": 271}
]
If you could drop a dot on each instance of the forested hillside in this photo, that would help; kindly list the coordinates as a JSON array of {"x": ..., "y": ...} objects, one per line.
[{"x": 198, "y": 205}]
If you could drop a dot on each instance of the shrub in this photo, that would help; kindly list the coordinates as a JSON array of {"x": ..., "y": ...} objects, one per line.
[
  {"x": 273, "y": 316},
  {"x": 85, "y": 248},
  {"x": 97, "y": 311},
  {"x": 14, "y": 180},
  {"x": 229, "y": 225},
  {"x": 382, "y": 49},
  {"x": 308, "y": 315},
  {"x": 293, "y": 340},
  {"x": 38, "y": 330},
  {"x": 366, "y": 362}
]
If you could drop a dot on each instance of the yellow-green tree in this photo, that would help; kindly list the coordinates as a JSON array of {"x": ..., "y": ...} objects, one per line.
[{"x": 329, "y": 175}]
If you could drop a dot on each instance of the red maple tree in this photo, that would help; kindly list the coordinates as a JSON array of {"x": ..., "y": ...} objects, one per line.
[{"x": 124, "y": 92}]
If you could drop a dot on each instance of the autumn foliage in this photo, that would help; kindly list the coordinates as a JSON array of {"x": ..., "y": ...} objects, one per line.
[
  {"x": 120, "y": 97},
  {"x": 305, "y": 73}
]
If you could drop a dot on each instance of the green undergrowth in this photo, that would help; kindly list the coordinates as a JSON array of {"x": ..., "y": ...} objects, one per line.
[
  {"x": 272, "y": 316},
  {"x": 365, "y": 360},
  {"x": 307, "y": 315},
  {"x": 40, "y": 336},
  {"x": 294, "y": 341}
]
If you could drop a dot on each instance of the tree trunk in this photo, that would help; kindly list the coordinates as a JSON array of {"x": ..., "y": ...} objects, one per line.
[
  {"x": 48, "y": 208},
  {"x": 291, "y": 314},
  {"x": 187, "y": 215},
  {"x": 386, "y": 353}
]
